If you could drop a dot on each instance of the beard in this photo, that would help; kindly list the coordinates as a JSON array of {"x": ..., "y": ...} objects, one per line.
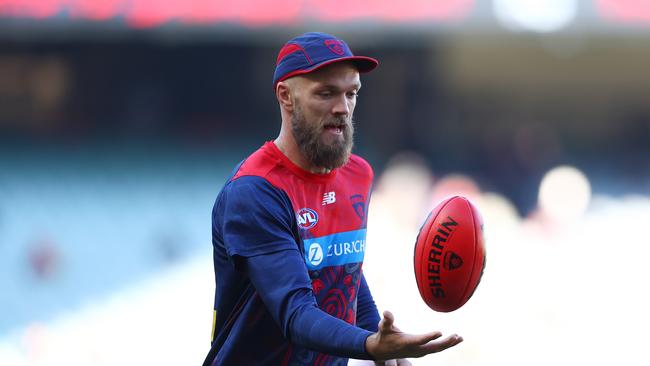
[{"x": 310, "y": 139}]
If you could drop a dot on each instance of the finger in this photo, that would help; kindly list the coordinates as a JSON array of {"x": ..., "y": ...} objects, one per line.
[
  {"x": 390, "y": 363},
  {"x": 388, "y": 315},
  {"x": 404, "y": 362},
  {"x": 442, "y": 344},
  {"x": 426, "y": 338},
  {"x": 386, "y": 324}
]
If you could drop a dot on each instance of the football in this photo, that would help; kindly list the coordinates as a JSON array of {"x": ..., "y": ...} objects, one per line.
[{"x": 449, "y": 257}]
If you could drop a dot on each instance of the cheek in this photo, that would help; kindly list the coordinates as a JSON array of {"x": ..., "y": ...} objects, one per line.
[
  {"x": 319, "y": 117},
  {"x": 352, "y": 103}
]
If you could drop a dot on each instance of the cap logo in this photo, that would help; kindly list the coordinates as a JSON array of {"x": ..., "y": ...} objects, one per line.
[{"x": 335, "y": 46}]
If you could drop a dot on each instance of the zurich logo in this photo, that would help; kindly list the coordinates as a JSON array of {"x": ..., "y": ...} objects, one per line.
[
  {"x": 315, "y": 255},
  {"x": 307, "y": 218},
  {"x": 335, "y": 249}
]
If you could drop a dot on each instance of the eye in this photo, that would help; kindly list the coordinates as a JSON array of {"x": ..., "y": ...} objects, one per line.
[
  {"x": 325, "y": 93},
  {"x": 353, "y": 94}
]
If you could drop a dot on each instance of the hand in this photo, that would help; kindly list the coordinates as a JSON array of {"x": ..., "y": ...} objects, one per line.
[{"x": 391, "y": 343}]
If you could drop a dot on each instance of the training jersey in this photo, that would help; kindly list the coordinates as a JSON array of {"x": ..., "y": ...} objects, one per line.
[{"x": 288, "y": 249}]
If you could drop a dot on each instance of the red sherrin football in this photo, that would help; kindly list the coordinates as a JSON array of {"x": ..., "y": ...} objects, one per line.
[{"x": 449, "y": 254}]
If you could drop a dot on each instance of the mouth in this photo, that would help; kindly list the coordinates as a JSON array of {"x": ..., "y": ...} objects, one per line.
[{"x": 335, "y": 128}]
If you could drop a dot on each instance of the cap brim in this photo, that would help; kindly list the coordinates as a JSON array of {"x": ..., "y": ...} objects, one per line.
[{"x": 364, "y": 64}]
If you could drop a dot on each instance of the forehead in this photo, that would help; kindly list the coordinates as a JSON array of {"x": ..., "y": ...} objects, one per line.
[{"x": 341, "y": 74}]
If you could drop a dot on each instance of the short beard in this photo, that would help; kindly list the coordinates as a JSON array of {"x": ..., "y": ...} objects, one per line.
[{"x": 320, "y": 154}]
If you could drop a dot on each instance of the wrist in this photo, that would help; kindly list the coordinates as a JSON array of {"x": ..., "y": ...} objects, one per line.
[{"x": 371, "y": 345}]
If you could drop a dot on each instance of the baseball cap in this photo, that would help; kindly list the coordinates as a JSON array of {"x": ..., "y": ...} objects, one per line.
[{"x": 313, "y": 50}]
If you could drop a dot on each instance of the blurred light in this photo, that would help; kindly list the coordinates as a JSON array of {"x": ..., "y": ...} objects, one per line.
[
  {"x": 536, "y": 15},
  {"x": 389, "y": 10},
  {"x": 151, "y": 13},
  {"x": 405, "y": 186},
  {"x": 564, "y": 193},
  {"x": 632, "y": 11},
  {"x": 455, "y": 184},
  {"x": 498, "y": 213}
]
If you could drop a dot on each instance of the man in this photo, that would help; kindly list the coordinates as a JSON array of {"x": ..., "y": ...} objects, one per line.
[{"x": 289, "y": 230}]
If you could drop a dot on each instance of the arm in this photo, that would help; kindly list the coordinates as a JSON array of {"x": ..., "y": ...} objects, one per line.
[
  {"x": 367, "y": 314},
  {"x": 282, "y": 281}
]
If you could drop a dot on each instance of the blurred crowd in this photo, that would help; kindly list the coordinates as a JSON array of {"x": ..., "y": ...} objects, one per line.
[{"x": 565, "y": 277}]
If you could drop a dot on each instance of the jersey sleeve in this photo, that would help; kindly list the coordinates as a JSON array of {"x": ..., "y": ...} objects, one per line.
[
  {"x": 253, "y": 217},
  {"x": 282, "y": 281},
  {"x": 367, "y": 314}
]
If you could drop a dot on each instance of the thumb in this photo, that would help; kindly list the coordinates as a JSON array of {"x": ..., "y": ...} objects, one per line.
[{"x": 386, "y": 324}]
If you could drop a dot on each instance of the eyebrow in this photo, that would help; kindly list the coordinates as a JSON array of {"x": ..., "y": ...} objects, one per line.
[{"x": 336, "y": 87}]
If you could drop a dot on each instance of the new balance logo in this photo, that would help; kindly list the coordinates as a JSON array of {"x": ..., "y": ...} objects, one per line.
[{"x": 329, "y": 198}]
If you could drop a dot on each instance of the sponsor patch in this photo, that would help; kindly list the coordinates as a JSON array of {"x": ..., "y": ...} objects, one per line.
[{"x": 335, "y": 250}]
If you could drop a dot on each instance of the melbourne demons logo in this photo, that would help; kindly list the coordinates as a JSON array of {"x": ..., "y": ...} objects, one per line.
[
  {"x": 335, "y": 46},
  {"x": 307, "y": 218}
]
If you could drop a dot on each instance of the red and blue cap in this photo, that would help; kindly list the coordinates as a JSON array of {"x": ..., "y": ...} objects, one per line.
[{"x": 311, "y": 51}]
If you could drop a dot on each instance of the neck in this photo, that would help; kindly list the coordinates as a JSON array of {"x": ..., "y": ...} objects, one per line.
[{"x": 288, "y": 146}]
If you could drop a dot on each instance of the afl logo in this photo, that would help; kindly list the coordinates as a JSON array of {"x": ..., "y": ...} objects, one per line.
[{"x": 307, "y": 218}]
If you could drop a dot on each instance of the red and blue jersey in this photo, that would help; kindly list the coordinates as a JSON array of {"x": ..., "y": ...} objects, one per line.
[{"x": 288, "y": 247}]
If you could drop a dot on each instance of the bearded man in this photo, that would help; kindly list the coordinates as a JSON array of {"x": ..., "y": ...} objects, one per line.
[{"x": 289, "y": 230}]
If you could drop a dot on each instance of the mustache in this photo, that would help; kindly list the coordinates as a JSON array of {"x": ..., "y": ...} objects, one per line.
[{"x": 338, "y": 122}]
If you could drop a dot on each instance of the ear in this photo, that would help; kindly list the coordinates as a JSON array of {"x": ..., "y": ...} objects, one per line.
[{"x": 283, "y": 94}]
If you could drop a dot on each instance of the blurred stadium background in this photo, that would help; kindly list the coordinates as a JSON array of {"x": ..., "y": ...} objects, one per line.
[{"x": 120, "y": 120}]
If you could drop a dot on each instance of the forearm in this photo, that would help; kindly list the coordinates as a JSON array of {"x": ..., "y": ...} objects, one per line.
[
  {"x": 367, "y": 314},
  {"x": 282, "y": 281},
  {"x": 315, "y": 329}
]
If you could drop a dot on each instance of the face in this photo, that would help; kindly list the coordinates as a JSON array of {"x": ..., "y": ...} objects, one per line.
[{"x": 321, "y": 121}]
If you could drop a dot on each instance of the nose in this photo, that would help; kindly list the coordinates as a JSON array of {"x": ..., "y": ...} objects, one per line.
[{"x": 342, "y": 106}]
